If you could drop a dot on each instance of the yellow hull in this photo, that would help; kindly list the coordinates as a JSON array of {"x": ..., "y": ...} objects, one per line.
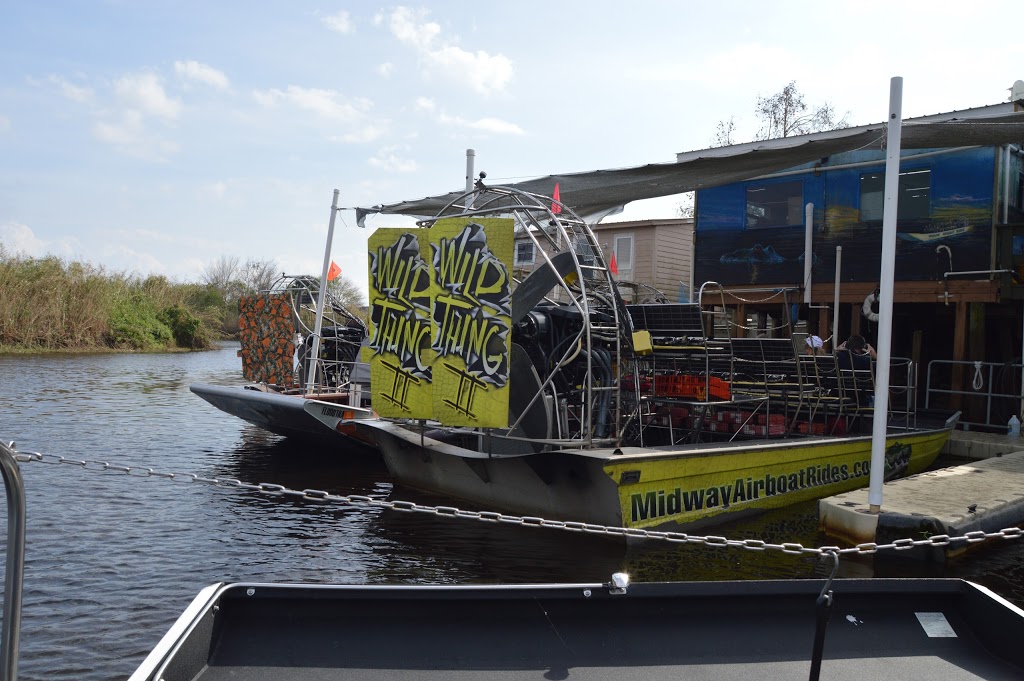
[{"x": 695, "y": 485}]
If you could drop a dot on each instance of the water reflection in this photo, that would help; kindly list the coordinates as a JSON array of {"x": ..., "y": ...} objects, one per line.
[{"x": 112, "y": 560}]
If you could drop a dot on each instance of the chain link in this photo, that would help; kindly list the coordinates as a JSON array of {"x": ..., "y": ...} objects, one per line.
[{"x": 361, "y": 500}]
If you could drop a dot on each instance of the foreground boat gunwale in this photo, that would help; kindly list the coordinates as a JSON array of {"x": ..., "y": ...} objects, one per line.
[{"x": 589, "y": 626}]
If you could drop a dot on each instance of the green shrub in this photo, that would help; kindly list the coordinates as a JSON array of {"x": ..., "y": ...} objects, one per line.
[
  {"x": 134, "y": 323},
  {"x": 186, "y": 328}
]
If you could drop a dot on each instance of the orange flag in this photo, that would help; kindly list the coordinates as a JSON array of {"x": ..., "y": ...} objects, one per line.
[
  {"x": 333, "y": 272},
  {"x": 555, "y": 208},
  {"x": 614, "y": 266}
]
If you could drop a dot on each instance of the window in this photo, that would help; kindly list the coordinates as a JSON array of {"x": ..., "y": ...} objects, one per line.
[
  {"x": 775, "y": 205},
  {"x": 524, "y": 253},
  {"x": 624, "y": 253},
  {"x": 915, "y": 193}
]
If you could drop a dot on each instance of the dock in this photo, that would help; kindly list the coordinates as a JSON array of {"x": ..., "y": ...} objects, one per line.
[
  {"x": 986, "y": 495},
  {"x": 971, "y": 444}
]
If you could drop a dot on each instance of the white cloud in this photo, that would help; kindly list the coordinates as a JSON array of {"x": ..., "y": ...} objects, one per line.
[
  {"x": 201, "y": 73},
  {"x": 5, "y": 124},
  {"x": 339, "y": 23},
  {"x": 388, "y": 159},
  {"x": 487, "y": 124},
  {"x": 325, "y": 103},
  {"x": 214, "y": 190},
  {"x": 386, "y": 69},
  {"x": 75, "y": 93},
  {"x": 145, "y": 92},
  {"x": 128, "y": 134},
  {"x": 18, "y": 238},
  {"x": 367, "y": 133},
  {"x": 484, "y": 72},
  {"x": 425, "y": 104},
  {"x": 131, "y": 260}
]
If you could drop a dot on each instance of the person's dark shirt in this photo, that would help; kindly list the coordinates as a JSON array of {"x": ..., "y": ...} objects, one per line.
[{"x": 848, "y": 360}]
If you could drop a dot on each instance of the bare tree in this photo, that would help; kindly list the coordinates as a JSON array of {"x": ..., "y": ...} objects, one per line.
[
  {"x": 724, "y": 134},
  {"x": 685, "y": 207},
  {"x": 221, "y": 273},
  {"x": 347, "y": 292},
  {"x": 258, "y": 275},
  {"x": 786, "y": 113}
]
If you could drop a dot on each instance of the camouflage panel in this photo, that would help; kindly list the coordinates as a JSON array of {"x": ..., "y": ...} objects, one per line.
[{"x": 267, "y": 332}]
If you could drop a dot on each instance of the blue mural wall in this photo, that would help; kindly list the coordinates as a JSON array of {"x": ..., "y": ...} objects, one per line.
[{"x": 949, "y": 198}]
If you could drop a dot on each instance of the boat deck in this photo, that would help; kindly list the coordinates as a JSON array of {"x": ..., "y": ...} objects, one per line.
[{"x": 880, "y": 629}]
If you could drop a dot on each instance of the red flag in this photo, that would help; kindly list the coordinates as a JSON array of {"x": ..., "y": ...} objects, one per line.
[
  {"x": 333, "y": 272},
  {"x": 614, "y": 266},
  {"x": 555, "y": 208}
]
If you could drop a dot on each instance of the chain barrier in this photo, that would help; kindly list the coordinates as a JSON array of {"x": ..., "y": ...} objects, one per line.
[{"x": 359, "y": 500}]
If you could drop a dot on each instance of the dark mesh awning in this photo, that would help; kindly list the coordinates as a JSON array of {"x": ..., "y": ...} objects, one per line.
[{"x": 599, "y": 192}]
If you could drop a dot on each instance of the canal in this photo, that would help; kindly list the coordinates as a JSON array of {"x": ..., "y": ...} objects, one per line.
[{"x": 113, "y": 559}]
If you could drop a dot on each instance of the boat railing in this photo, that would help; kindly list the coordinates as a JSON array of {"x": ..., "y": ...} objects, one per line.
[
  {"x": 15, "y": 565},
  {"x": 760, "y": 387},
  {"x": 992, "y": 391},
  {"x": 349, "y": 378},
  {"x": 574, "y": 329}
]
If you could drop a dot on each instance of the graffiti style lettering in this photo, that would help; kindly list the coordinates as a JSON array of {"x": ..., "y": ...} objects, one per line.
[
  {"x": 401, "y": 382},
  {"x": 468, "y": 314},
  {"x": 466, "y": 392},
  {"x": 401, "y": 312}
]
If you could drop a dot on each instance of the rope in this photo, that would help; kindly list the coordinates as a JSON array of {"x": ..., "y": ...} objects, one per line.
[{"x": 979, "y": 381}]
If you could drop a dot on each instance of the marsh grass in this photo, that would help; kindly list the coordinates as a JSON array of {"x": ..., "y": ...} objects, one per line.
[{"x": 52, "y": 304}]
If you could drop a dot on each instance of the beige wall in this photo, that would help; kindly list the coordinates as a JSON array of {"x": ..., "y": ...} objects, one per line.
[{"x": 662, "y": 252}]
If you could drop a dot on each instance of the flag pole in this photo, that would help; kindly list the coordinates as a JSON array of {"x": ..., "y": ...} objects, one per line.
[
  {"x": 470, "y": 163},
  {"x": 887, "y": 277},
  {"x": 315, "y": 354}
]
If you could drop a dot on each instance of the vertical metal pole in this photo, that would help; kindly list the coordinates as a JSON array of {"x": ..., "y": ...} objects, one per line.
[
  {"x": 835, "y": 299},
  {"x": 15, "y": 562},
  {"x": 1006, "y": 184},
  {"x": 808, "y": 255},
  {"x": 470, "y": 161},
  {"x": 887, "y": 285},
  {"x": 315, "y": 355}
]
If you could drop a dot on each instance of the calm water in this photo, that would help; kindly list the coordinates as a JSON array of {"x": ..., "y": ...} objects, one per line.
[{"x": 112, "y": 560}]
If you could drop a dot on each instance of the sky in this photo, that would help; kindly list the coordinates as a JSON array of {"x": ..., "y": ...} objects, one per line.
[{"x": 156, "y": 137}]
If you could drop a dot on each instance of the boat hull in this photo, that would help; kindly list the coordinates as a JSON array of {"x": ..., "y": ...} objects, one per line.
[
  {"x": 681, "y": 487},
  {"x": 693, "y": 488},
  {"x": 280, "y": 414}
]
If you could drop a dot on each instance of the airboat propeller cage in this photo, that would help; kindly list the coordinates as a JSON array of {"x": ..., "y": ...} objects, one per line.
[{"x": 448, "y": 311}]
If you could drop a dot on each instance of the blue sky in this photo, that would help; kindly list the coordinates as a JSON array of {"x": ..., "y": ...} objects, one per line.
[{"x": 155, "y": 137}]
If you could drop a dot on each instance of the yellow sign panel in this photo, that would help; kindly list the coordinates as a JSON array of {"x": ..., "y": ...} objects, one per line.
[
  {"x": 400, "y": 333},
  {"x": 472, "y": 320},
  {"x": 440, "y": 331}
]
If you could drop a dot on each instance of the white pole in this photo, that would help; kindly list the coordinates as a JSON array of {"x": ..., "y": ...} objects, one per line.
[
  {"x": 314, "y": 357},
  {"x": 887, "y": 284},
  {"x": 470, "y": 161},
  {"x": 808, "y": 255},
  {"x": 835, "y": 299},
  {"x": 1006, "y": 184}
]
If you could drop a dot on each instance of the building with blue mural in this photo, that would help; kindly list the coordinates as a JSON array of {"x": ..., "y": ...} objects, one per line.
[
  {"x": 753, "y": 232},
  {"x": 959, "y": 251}
]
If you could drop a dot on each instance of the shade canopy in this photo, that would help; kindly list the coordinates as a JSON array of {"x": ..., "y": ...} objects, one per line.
[{"x": 594, "y": 194}]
